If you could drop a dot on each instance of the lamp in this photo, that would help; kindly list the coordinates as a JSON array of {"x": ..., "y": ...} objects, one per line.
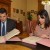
[{"x": 44, "y": 2}]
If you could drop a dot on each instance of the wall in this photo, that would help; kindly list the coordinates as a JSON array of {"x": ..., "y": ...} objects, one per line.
[
  {"x": 26, "y": 5},
  {"x": 32, "y": 5},
  {"x": 21, "y": 5}
]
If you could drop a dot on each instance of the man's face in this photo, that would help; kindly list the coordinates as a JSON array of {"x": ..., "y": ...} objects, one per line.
[{"x": 3, "y": 17}]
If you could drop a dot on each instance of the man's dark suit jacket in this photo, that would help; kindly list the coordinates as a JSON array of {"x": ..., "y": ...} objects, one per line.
[{"x": 10, "y": 25}]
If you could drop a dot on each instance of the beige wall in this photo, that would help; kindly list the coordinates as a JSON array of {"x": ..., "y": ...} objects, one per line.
[
  {"x": 32, "y": 5},
  {"x": 25, "y": 5},
  {"x": 21, "y": 5}
]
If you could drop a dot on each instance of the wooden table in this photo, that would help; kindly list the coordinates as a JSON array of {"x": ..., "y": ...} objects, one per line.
[{"x": 13, "y": 47}]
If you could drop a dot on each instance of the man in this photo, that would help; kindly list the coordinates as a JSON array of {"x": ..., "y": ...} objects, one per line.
[{"x": 6, "y": 24}]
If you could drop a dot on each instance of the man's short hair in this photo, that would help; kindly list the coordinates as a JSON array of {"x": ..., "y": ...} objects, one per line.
[{"x": 3, "y": 10}]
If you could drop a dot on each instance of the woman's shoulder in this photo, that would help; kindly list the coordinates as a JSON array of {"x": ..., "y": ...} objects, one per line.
[{"x": 49, "y": 27}]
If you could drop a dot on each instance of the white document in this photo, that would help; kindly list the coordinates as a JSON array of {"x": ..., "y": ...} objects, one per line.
[
  {"x": 2, "y": 39},
  {"x": 31, "y": 40},
  {"x": 9, "y": 35}
]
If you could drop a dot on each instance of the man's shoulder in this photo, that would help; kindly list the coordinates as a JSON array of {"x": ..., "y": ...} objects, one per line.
[
  {"x": 11, "y": 20},
  {"x": 8, "y": 19},
  {"x": 0, "y": 22}
]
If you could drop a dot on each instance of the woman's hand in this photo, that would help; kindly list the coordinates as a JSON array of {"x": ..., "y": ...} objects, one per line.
[{"x": 44, "y": 36}]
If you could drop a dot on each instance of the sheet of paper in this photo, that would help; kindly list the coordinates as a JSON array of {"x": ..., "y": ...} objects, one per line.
[
  {"x": 31, "y": 40},
  {"x": 2, "y": 39},
  {"x": 12, "y": 33},
  {"x": 14, "y": 39},
  {"x": 45, "y": 42}
]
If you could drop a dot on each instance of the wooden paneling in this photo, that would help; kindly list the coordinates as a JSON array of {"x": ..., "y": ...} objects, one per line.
[
  {"x": 7, "y": 5},
  {"x": 5, "y": 1},
  {"x": 19, "y": 26},
  {"x": 40, "y": 6}
]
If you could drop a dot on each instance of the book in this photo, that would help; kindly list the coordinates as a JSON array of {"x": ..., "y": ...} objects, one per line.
[{"x": 9, "y": 35}]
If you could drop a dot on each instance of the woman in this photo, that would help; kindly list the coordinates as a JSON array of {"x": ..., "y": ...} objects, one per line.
[{"x": 42, "y": 29}]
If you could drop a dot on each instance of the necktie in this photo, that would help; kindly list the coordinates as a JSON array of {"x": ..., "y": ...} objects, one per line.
[{"x": 3, "y": 30}]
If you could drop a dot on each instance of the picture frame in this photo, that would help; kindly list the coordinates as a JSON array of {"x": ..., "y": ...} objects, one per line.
[
  {"x": 21, "y": 11},
  {"x": 35, "y": 12},
  {"x": 17, "y": 10},
  {"x": 32, "y": 11}
]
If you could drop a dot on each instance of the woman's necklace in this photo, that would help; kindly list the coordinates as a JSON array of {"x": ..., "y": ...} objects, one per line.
[{"x": 42, "y": 26}]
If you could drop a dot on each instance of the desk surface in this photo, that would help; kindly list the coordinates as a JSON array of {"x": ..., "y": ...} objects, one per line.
[
  {"x": 22, "y": 45},
  {"x": 34, "y": 48},
  {"x": 13, "y": 47}
]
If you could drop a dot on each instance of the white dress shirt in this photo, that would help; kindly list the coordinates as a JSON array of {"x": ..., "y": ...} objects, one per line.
[{"x": 2, "y": 27}]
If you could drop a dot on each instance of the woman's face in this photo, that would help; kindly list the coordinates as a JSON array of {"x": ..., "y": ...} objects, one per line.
[{"x": 42, "y": 20}]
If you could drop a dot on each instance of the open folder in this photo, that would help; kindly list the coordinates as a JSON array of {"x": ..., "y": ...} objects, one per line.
[
  {"x": 31, "y": 40},
  {"x": 9, "y": 35}
]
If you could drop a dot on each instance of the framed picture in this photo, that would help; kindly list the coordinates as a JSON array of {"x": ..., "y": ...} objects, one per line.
[
  {"x": 28, "y": 12},
  {"x": 32, "y": 11},
  {"x": 17, "y": 10},
  {"x": 21, "y": 11},
  {"x": 35, "y": 12}
]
